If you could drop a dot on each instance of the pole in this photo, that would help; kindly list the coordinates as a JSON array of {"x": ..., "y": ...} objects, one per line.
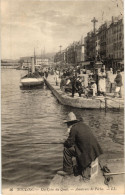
[
  {"x": 119, "y": 173},
  {"x": 105, "y": 104},
  {"x": 44, "y": 143},
  {"x": 60, "y": 48},
  {"x": 50, "y": 143}
]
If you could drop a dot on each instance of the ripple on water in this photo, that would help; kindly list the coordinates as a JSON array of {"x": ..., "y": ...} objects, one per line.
[{"x": 33, "y": 117}]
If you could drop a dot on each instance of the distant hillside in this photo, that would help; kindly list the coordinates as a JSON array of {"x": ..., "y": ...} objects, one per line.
[
  {"x": 49, "y": 56},
  {"x": 9, "y": 60}
]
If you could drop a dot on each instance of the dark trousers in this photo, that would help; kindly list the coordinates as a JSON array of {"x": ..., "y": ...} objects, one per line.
[
  {"x": 73, "y": 91},
  {"x": 68, "y": 153}
]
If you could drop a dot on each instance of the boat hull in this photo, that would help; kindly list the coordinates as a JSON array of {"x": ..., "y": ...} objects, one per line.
[{"x": 29, "y": 82}]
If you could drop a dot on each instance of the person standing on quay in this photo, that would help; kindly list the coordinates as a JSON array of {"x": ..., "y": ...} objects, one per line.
[
  {"x": 118, "y": 81},
  {"x": 73, "y": 82},
  {"x": 46, "y": 73},
  {"x": 102, "y": 82},
  {"x": 81, "y": 144},
  {"x": 56, "y": 76}
]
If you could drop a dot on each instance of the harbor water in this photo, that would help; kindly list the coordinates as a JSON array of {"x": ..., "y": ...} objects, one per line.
[{"x": 33, "y": 117}]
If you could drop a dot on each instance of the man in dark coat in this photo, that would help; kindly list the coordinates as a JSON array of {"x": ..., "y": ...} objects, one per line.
[
  {"x": 73, "y": 82},
  {"x": 79, "y": 86},
  {"x": 81, "y": 144}
]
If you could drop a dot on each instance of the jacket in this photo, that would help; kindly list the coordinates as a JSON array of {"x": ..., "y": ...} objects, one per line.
[
  {"x": 86, "y": 146},
  {"x": 118, "y": 80}
]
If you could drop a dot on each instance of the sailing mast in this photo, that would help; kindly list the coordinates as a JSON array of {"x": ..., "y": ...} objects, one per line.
[
  {"x": 41, "y": 57},
  {"x": 34, "y": 57},
  {"x": 33, "y": 62}
]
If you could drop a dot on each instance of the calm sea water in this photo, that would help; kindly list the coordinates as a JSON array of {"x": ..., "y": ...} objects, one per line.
[{"x": 32, "y": 117}]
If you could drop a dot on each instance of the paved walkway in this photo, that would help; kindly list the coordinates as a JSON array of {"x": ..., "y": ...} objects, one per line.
[
  {"x": 112, "y": 102},
  {"x": 97, "y": 183}
]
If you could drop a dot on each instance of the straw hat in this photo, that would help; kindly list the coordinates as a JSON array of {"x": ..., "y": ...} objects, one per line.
[{"x": 71, "y": 118}]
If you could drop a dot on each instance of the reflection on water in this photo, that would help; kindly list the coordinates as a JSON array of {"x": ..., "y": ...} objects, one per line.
[{"x": 33, "y": 117}]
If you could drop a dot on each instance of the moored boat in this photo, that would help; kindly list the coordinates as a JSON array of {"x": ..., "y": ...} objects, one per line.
[{"x": 33, "y": 78}]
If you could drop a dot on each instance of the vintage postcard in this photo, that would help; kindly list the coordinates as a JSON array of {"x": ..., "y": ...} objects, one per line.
[{"x": 62, "y": 97}]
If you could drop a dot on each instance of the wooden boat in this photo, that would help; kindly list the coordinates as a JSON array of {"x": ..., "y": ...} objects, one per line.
[{"x": 33, "y": 78}]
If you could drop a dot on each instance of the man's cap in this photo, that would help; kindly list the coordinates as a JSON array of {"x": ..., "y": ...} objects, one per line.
[
  {"x": 118, "y": 71},
  {"x": 71, "y": 118}
]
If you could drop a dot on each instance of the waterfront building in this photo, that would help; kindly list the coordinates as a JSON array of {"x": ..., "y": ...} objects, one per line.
[
  {"x": 60, "y": 57},
  {"x": 80, "y": 53},
  {"x": 26, "y": 61},
  {"x": 115, "y": 43},
  {"x": 105, "y": 44},
  {"x": 73, "y": 54},
  {"x": 89, "y": 43},
  {"x": 115, "y": 39},
  {"x": 102, "y": 40},
  {"x": 41, "y": 61}
]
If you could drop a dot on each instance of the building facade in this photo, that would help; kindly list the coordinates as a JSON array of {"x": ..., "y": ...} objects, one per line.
[
  {"x": 73, "y": 54},
  {"x": 38, "y": 61},
  {"x": 105, "y": 44},
  {"x": 108, "y": 42}
]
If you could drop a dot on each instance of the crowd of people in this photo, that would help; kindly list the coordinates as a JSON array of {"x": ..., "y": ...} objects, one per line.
[
  {"x": 90, "y": 85},
  {"x": 87, "y": 84}
]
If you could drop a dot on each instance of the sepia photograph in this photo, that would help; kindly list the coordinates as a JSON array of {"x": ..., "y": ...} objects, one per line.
[{"x": 62, "y": 97}]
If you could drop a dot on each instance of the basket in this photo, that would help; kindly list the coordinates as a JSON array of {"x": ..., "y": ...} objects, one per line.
[{"x": 94, "y": 168}]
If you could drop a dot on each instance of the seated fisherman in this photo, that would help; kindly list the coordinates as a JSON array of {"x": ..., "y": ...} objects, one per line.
[{"x": 81, "y": 144}]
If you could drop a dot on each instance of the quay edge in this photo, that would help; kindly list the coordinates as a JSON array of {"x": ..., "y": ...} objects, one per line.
[
  {"x": 80, "y": 102},
  {"x": 98, "y": 182}
]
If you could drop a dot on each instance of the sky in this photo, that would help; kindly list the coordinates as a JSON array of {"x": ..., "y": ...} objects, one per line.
[{"x": 39, "y": 24}]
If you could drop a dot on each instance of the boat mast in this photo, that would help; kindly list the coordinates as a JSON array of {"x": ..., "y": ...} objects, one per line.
[
  {"x": 41, "y": 57},
  {"x": 33, "y": 62},
  {"x": 34, "y": 57}
]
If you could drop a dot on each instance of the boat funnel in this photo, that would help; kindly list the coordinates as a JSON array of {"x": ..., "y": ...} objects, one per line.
[{"x": 32, "y": 64}]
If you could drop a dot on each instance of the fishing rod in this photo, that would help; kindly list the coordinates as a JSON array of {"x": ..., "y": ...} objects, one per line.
[
  {"x": 50, "y": 143},
  {"x": 44, "y": 143}
]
